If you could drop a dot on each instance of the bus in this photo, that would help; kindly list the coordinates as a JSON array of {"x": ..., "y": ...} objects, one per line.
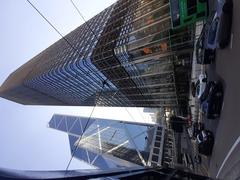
[{"x": 185, "y": 12}]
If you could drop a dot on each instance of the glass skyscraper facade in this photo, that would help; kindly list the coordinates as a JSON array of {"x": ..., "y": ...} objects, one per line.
[
  {"x": 127, "y": 55},
  {"x": 109, "y": 144}
]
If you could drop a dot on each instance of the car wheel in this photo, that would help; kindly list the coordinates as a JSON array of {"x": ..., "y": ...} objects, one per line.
[
  {"x": 223, "y": 44},
  {"x": 227, "y": 7}
]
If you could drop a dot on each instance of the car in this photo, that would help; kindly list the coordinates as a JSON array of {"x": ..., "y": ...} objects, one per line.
[
  {"x": 225, "y": 14},
  {"x": 219, "y": 31},
  {"x": 206, "y": 91},
  {"x": 205, "y": 53},
  {"x": 197, "y": 128},
  {"x": 201, "y": 84},
  {"x": 216, "y": 32},
  {"x": 212, "y": 99},
  {"x": 205, "y": 141}
]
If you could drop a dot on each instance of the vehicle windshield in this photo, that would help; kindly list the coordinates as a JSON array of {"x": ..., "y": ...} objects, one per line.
[{"x": 213, "y": 31}]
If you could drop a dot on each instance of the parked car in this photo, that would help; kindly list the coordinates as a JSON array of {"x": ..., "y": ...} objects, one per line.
[
  {"x": 212, "y": 99},
  {"x": 216, "y": 33},
  {"x": 205, "y": 141},
  {"x": 225, "y": 13},
  {"x": 205, "y": 53},
  {"x": 206, "y": 91},
  {"x": 219, "y": 33},
  {"x": 201, "y": 84},
  {"x": 197, "y": 128}
]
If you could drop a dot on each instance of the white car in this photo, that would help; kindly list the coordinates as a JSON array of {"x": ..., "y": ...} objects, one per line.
[{"x": 201, "y": 84}]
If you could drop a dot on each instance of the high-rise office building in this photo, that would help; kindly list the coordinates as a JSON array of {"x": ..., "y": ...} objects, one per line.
[
  {"x": 109, "y": 144},
  {"x": 127, "y": 55}
]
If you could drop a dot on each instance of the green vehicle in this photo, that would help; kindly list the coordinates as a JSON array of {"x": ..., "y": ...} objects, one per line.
[{"x": 185, "y": 12}]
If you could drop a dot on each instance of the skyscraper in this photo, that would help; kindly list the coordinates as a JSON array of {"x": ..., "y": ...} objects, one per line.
[
  {"x": 127, "y": 55},
  {"x": 110, "y": 143}
]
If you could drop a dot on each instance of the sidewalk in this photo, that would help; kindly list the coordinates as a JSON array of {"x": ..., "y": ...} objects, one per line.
[{"x": 197, "y": 116}]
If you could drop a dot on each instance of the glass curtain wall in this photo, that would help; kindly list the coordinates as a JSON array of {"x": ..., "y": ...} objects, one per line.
[{"x": 117, "y": 141}]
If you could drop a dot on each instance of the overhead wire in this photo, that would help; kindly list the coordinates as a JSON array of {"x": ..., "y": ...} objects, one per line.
[
  {"x": 90, "y": 29},
  {"x": 84, "y": 129},
  {"x": 103, "y": 83},
  {"x": 81, "y": 15},
  {"x": 67, "y": 41},
  {"x": 132, "y": 117},
  {"x": 65, "y": 37},
  {"x": 33, "y": 6},
  {"x": 173, "y": 35},
  {"x": 57, "y": 29}
]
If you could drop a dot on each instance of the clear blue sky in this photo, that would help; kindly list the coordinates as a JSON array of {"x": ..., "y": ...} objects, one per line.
[{"x": 26, "y": 142}]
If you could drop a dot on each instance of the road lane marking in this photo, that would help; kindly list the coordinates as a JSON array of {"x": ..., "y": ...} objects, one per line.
[
  {"x": 231, "y": 41},
  {"x": 228, "y": 155}
]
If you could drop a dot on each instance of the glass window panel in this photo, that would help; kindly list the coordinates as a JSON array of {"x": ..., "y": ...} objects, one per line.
[
  {"x": 144, "y": 142},
  {"x": 153, "y": 67},
  {"x": 104, "y": 123},
  {"x": 94, "y": 126},
  {"x": 91, "y": 143},
  {"x": 114, "y": 135},
  {"x": 159, "y": 133},
  {"x": 158, "y": 79},
  {"x": 156, "y": 151},
  {"x": 76, "y": 128},
  {"x": 62, "y": 126},
  {"x": 70, "y": 122},
  {"x": 72, "y": 140},
  {"x": 151, "y": 18},
  {"x": 127, "y": 152},
  {"x": 52, "y": 123},
  {"x": 149, "y": 34},
  {"x": 143, "y": 145},
  {"x": 135, "y": 130},
  {"x": 155, "y": 158},
  {"x": 81, "y": 154},
  {"x": 101, "y": 162},
  {"x": 57, "y": 119},
  {"x": 158, "y": 138},
  {"x": 157, "y": 144},
  {"x": 91, "y": 155}
]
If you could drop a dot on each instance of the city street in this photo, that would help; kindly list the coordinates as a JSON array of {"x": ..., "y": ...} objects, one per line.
[
  {"x": 226, "y": 128},
  {"x": 224, "y": 163}
]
